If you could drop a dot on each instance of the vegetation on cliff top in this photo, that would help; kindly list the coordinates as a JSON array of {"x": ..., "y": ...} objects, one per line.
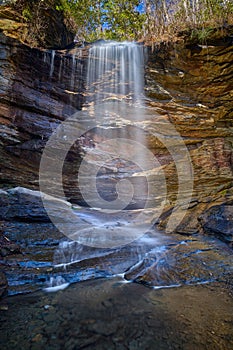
[{"x": 147, "y": 20}]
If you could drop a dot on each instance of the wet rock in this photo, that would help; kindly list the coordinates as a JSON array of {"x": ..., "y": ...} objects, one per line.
[
  {"x": 7, "y": 247},
  {"x": 36, "y": 94},
  {"x": 3, "y": 283},
  {"x": 218, "y": 221},
  {"x": 187, "y": 262},
  {"x": 23, "y": 204}
]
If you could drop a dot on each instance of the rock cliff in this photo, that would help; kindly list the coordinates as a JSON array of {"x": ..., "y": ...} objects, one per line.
[
  {"x": 189, "y": 85},
  {"x": 36, "y": 93}
]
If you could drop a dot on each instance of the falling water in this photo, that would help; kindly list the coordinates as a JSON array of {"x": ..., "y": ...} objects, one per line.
[
  {"x": 115, "y": 70},
  {"x": 115, "y": 87},
  {"x": 52, "y": 63}
]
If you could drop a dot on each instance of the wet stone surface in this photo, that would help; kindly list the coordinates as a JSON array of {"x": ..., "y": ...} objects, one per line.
[
  {"x": 108, "y": 314},
  {"x": 106, "y": 309},
  {"x": 49, "y": 259}
]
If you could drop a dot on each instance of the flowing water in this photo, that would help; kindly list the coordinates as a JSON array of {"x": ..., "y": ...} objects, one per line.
[
  {"x": 111, "y": 176},
  {"x": 101, "y": 300},
  {"x": 115, "y": 70}
]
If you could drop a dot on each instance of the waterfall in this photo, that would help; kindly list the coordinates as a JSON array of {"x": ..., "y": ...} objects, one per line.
[
  {"x": 120, "y": 185},
  {"x": 52, "y": 63},
  {"x": 113, "y": 173},
  {"x": 115, "y": 86},
  {"x": 115, "y": 70},
  {"x": 113, "y": 187}
]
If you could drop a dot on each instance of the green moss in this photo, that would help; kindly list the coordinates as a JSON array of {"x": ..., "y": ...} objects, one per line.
[{"x": 223, "y": 193}]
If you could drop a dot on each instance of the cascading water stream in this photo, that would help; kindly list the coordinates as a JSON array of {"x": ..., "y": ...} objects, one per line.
[
  {"x": 115, "y": 85},
  {"x": 115, "y": 92}
]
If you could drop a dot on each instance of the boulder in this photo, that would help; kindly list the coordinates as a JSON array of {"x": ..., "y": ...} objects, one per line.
[
  {"x": 218, "y": 221},
  {"x": 22, "y": 204},
  {"x": 190, "y": 261}
]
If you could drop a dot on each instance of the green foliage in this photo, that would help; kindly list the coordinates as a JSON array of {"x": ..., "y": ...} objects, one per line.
[
  {"x": 107, "y": 19},
  {"x": 37, "y": 17},
  {"x": 202, "y": 34},
  {"x": 121, "y": 19},
  {"x": 27, "y": 15}
]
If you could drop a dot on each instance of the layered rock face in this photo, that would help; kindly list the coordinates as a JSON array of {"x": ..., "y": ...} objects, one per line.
[
  {"x": 188, "y": 86},
  {"x": 36, "y": 93},
  {"x": 46, "y": 27},
  {"x": 191, "y": 86}
]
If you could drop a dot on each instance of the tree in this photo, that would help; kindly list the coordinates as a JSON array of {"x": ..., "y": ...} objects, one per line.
[
  {"x": 151, "y": 20},
  {"x": 168, "y": 17},
  {"x": 108, "y": 19},
  {"x": 123, "y": 20}
]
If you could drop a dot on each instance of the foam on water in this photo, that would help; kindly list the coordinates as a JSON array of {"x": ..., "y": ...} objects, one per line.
[{"x": 55, "y": 284}]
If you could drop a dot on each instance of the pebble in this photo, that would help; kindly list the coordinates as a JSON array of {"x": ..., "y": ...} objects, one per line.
[
  {"x": 4, "y": 307},
  {"x": 37, "y": 338}
]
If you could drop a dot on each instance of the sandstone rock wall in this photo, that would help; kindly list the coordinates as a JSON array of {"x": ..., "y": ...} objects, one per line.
[
  {"x": 191, "y": 86},
  {"x": 36, "y": 93},
  {"x": 45, "y": 26}
]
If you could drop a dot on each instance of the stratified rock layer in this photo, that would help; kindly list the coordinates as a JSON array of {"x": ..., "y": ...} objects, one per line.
[
  {"x": 46, "y": 27},
  {"x": 36, "y": 93},
  {"x": 191, "y": 86},
  {"x": 3, "y": 283}
]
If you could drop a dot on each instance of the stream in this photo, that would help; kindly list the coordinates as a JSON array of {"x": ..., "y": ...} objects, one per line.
[{"x": 159, "y": 292}]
